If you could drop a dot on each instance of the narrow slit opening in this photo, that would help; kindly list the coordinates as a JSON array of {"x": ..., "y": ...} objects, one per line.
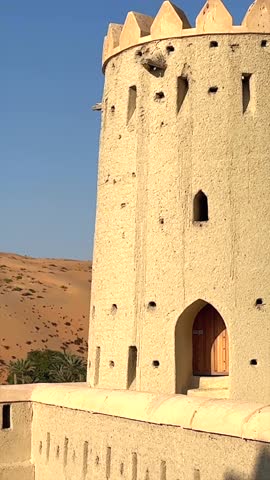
[
  {"x": 246, "y": 90},
  {"x": 200, "y": 207},
  {"x": 132, "y": 367},
  {"x": 97, "y": 365},
  {"x": 182, "y": 90},
  {"x": 6, "y": 421},
  {"x": 132, "y": 102}
]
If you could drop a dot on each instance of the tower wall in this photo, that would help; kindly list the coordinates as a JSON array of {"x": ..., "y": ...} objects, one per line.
[{"x": 147, "y": 246}]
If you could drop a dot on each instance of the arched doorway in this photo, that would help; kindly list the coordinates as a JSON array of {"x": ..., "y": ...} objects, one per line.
[{"x": 210, "y": 343}]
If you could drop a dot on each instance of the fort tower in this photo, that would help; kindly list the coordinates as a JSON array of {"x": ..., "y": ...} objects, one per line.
[{"x": 181, "y": 290}]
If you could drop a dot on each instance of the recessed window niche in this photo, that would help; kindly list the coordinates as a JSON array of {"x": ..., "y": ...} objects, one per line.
[
  {"x": 246, "y": 77},
  {"x": 132, "y": 102},
  {"x": 6, "y": 417},
  {"x": 200, "y": 207},
  {"x": 182, "y": 90}
]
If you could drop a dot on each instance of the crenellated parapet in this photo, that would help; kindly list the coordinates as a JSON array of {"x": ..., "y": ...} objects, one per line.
[{"x": 172, "y": 22}]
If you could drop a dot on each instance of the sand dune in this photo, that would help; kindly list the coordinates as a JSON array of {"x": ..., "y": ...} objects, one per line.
[{"x": 44, "y": 304}]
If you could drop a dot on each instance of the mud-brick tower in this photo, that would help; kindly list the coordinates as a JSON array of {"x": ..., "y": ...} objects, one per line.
[{"x": 181, "y": 279}]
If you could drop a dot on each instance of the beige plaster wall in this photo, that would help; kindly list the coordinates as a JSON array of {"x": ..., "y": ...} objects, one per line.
[
  {"x": 151, "y": 168},
  {"x": 15, "y": 444},
  {"x": 73, "y": 444},
  {"x": 79, "y": 432}
]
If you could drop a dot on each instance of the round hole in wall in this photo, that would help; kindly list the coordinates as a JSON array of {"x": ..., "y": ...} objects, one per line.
[
  {"x": 170, "y": 49},
  {"x": 133, "y": 174},
  {"x": 213, "y": 44},
  {"x": 112, "y": 108},
  {"x": 152, "y": 305},
  {"x": 155, "y": 363},
  {"x": 111, "y": 364},
  {"x": 213, "y": 89},
  {"x": 264, "y": 43},
  {"x": 161, "y": 221},
  {"x": 139, "y": 53},
  {"x": 254, "y": 361},
  {"x": 259, "y": 302},
  {"x": 159, "y": 96}
]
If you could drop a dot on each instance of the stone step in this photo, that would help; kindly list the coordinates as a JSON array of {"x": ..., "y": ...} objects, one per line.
[
  {"x": 209, "y": 393},
  {"x": 216, "y": 382}
]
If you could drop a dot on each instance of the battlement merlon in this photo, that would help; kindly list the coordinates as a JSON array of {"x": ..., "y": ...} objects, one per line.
[{"x": 171, "y": 22}]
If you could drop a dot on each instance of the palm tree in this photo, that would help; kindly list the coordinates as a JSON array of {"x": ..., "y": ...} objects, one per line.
[
  {"x": 68, "y": 368},
  {"x": 21, "y": 371}
]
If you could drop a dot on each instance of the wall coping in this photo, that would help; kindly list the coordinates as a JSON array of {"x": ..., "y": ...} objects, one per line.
[
  {"x": 224, "y": 417},
  {"x": 171, "y": 22}
]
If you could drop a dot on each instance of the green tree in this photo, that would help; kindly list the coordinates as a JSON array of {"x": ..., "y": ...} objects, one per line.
[
  {"x": 68, "y": 368},
  {"x": 21, "y": 371},
  {"x": 43, "y": 361},
  {"x": 48, "y": 366}
]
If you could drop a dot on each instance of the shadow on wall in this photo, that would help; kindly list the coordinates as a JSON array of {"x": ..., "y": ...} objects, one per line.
[{"x": 261, "y": 471}]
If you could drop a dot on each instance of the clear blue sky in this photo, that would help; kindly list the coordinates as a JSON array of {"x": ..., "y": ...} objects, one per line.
[{"x": 50, "y": 77}]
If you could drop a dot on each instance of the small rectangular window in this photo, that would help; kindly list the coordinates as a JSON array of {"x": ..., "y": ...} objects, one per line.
[
  {"x": 6, "y": 421},
  {"x": 246, "y": 90}
]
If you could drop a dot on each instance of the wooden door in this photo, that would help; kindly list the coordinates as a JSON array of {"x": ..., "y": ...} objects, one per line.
[{"x": 210, "y": 343}]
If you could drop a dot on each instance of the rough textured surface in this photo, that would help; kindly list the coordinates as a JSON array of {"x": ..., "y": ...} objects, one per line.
[
  {"x": 15, "y": 444},
  {"x": 258, "y": 16},
  {"x": 172, "y": 22},
  {"x": 147, "y": 247},
  {"x": 214, "y": 17},
  {"x": 81, "y": 445},
  {"x": 73, "y": 431},
  {"x": 232, "y": 418},
  {"x": 169, "y": 21}
]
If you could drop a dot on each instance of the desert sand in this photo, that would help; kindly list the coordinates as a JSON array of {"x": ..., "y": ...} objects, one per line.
[{"x": 44, "y": 304}]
